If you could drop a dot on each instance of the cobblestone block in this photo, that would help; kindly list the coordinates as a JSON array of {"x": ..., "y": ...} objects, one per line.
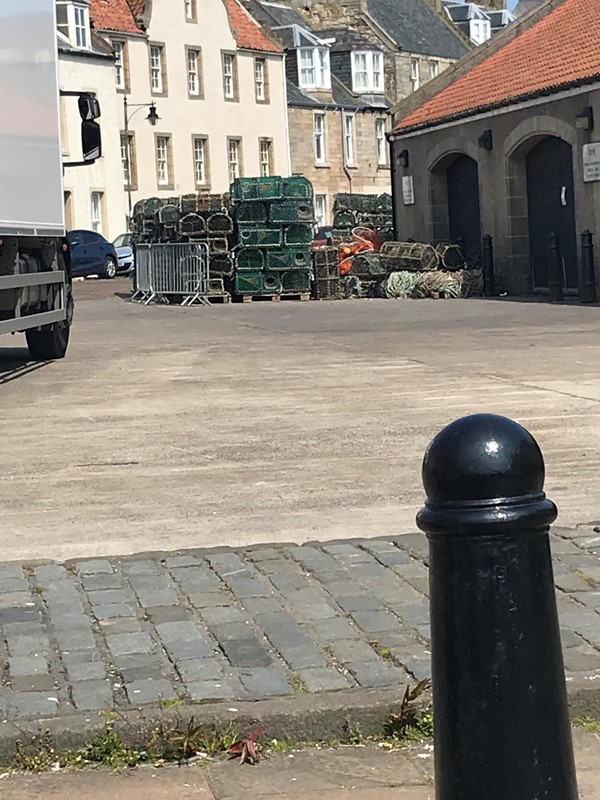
[
  {"x": 30, "y": 613},
  {"x": 289, "y": 583},
  {"x": 242, "y": 648},
  {"x": 139, "y": 567},
  {"x": 181, "y": 561},
  {"x": 248, "y": 587},
  {"x": 392, "y": 558},
  {"x": 359, "y": 602},
  {"x": 101, "y": 582},
  {"x": 13, "y": 629},
  {"x": 184, "y": 631},
  {"x": 181, "y": 650},
  {"x": 87, "y": 671},
  {"x": 138, "y": 661},
  {"x": 120, "y": 625},
  {"x": 199, "y": 669},
  {"x": 325, "y": 680},
  {"x": 94, "y": 566},
  {"x": 570, "y": 639},
  {"x": 162, "y": 614},
  {"x": 113, "y": 610},
  {"x": 371, "y": 674},
  {"x": 28, "y": 645},
  {"x": 92, "y": 695},
  {"x": 193, "y": 579},
  {"x": 33, "y": 683},
  {"x": 582, "y": 659},
  {"x": 27, "y": 665},
  {"x": 81, "y": 657},
  {"x": 75, "y": 638},
  {"x": 210, "y": 599},
  {"x": 328, "y": 630},
  {"x": 261, "y": 605},
  {"x": 313, "y": 559},
  {"x": 260, "y": 554},
  {"x": 104, "y": 597},
  {"x": 157, "y": 597},
  {"x": 413, "y": 615},
  {"x": 419, "y": 668},
  {"x": 283, "y": 632},
  {"x": 212, "y": 690},
  {"x": 121, "y": 644},
  {"x": 8, "y": 573},
  {"x": 316, "y": 611},
  {"x": 226, "y": 564},
  {"x": 16, "y": 600},
  {"x": 590, "y": 599},
  {"x": 298, "y": 658},
  {"x": 265, "y": 681},
  {"x": 347, "y": 651},
  {"x": 148, "y": 690},
  {"x": 34, "y": 704},
  {"x": 222, "y": 615},
  {"x": 12, "y": 585},
  {"x": 376, "y": 621},
  {"x": 49, "y": 573},
  {"x": 570, "y": 582}
]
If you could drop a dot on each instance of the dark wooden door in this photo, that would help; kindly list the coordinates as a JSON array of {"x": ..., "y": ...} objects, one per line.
[
  {"x": 551, "y": 208},
  {"x": 463, "y": 205}
]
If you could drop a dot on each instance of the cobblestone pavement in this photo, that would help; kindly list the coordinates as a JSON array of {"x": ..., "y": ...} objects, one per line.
[{"x": 252, "y": 624}]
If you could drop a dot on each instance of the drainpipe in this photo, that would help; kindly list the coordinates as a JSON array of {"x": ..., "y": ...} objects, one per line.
[{"x": 393, "y": 179}]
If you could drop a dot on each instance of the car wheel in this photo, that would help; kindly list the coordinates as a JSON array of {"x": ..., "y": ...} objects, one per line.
[
  {"x": 110, "y": 267},
  {"x": 51, "y": 341}
]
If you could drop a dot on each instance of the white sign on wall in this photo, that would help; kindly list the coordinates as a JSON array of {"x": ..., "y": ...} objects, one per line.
[
  {"x": 591, "y": 162},
  {"x": 408, "y": 190}
]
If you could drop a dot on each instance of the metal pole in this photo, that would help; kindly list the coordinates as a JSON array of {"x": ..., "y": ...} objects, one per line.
[
  {"x": 488, "y": 266},
  {"x": 499, "y": 696},
  {"x": 555, "y": 270},
  {"x": 587, "y": 277},
  {"x": 127, "y": 157}
]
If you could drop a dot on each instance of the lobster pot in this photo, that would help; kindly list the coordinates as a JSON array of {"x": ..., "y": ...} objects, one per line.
[
  {"x": 192, "y": 225},
  {"x": 297, "y": 187},
  {"x": 327, "y": 289},
  {"x": 250, "y": 258},
  {"x": 251, "y": 212},
  {"x": 383, "y": 204},
  {"x": 257, "y": 283},
  {"x": 408, "y": 256},
  {"x": 344, "y": 219},
  {"x": 290, "y": 258},
  {"x": 291, "y": 211},
  {"x": 212, "y": 202},
  {"x": 216, "y": 286},
  {"x": 219, "y": 224},
  {"x": 252, "y": 235},
  {"x": 220, "y": 264},
  {"x": 367, "y": 265},
  {"x": 187, "y": 204},
  {"x": 451, "y": 257},
  {"x": 218, "y": 245},
  {"x": 270, "y": 188},
  {"x": 295, "y": 280},
  {"x": 298, "y": 234}
]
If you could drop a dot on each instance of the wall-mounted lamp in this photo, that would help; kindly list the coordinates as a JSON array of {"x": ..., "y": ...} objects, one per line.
[
  {"x": 486, "y": 140},
  {"x": 402, "y": 159},
  {"x": 152, "y": 115},
  {"x": 585, "y": 119}
]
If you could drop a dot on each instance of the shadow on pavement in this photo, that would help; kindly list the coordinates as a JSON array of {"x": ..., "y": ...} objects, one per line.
[{"x": 16, "y": 363}]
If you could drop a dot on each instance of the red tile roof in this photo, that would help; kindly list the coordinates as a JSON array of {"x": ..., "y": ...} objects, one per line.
[
  {"x": 113, "y": 15},
  {"x": 138, "y": 7},
  {"x": 248, "y": 33},
  {"x": 558, "y": 51}
]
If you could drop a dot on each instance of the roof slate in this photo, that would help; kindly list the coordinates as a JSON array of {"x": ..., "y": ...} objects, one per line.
[
  {"x": 558, "y": 51},
  {"x": 417, "y": 28}
]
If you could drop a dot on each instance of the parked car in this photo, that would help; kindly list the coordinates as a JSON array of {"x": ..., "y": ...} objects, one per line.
[
  {"x": 322, "y": 237},
  {"x": 125, "y": 255},
  {"x": 92, "y": 254}
]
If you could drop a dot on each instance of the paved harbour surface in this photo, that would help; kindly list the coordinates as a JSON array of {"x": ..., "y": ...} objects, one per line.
[{"x": 264, "y": 622}]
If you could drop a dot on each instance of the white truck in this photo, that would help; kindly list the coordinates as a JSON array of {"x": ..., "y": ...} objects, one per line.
[{"x": 35, "y": 284}]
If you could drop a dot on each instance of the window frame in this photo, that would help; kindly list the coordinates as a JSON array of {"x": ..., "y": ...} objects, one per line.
[
  {"x": 128, "y": 140},
  {"x": 162, "y": 61},
  {"x": 265, "y": 140},
  {"x": 193, "y": 5},
  {"x": 320, "y": 135},
  {"x": 200, "y": 137},
  {"x": 170, "y": 178},
  {"x": 83, "y": 26},
  {"x": 265, "y": 99},
  {"x": 227, "y": 55},
  {"x": 380, "y": 138},
  {"x": 239, "y": 157},
  {"x": 370, "y": 57},
  {"x": 415, "y": 74},
  {"x": 434, "y": 68},
  {"x": 124, "y": 87},
  {"x": 323, "y": 221},
  {"x": 320, "y": 67},
  {"x": 199, "y": 94},
  {"x": 349, "y": 139},
  {"x": 97, "y": 223}
]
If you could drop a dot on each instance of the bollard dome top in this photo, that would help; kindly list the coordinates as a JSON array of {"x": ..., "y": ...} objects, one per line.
[{"x": 482, "y": 457}]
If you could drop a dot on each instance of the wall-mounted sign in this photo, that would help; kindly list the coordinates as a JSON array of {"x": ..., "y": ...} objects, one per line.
[
  {"x": 408, "y": 190},
  {"x": 591, "y": 162}
]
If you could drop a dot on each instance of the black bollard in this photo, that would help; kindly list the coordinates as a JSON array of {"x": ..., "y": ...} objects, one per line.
[
  {"x": 488, "y": 266},
  {"x": 555, "y": 269},
  {"x": 499, "y": 695},
  {"x": 587, "y": 277}
]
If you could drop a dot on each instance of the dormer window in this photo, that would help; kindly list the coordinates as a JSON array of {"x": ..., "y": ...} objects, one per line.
[
  {"x": 73, "y": 21},
  {"x": 367, "y": 71},
  {"x": 313, "y": 68}
]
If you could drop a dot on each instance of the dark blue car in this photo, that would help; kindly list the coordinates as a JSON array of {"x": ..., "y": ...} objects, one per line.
[{"x": 92, "y": 254}]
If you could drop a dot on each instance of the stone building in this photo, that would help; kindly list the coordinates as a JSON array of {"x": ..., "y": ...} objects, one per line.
[
  {"x": 506, "y": 144},
  {"x": 418, "y": 39},
  {"x": 202, "y": 94},
  {"x": 338, "y": 112}
]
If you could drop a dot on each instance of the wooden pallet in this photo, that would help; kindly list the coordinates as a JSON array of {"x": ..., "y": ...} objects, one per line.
[
  {"x": 275, "y": 298},
  {"x": 225, "y": 297}
]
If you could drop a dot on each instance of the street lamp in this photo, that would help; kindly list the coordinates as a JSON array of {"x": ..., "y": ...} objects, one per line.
[{"x": 127, "y": 117}]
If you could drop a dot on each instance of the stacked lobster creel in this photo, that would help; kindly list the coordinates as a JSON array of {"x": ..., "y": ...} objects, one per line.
[
  {"x": 190, "y": 218},
  {"x": 274, "y": 223}
]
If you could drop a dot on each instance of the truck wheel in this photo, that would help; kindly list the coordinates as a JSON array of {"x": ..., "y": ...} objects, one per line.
[
  {"x": 110, "y": 267},
  {"x": 51, "y": 342}
]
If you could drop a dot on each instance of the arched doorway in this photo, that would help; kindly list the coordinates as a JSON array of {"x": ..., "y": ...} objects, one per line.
[
  {"x": 551, "y": 208},
  {"x": 464, "y": 219}
]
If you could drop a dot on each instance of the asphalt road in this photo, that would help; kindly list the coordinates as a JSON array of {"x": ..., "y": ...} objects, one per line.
[{"x": 168, "y": 428}]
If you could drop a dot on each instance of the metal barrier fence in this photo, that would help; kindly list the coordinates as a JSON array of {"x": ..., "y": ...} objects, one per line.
[{"x": 172, "y": 271}]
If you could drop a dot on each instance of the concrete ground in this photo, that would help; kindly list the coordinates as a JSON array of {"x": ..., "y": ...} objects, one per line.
[
  {"x": 364, "y": 773},
  {"x": 168, "y": 428}
]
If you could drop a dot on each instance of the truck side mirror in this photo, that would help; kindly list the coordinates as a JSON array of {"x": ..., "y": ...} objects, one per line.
[
  {"x": 91, "y": 140},
  {"x": 89, "y": 107}
]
